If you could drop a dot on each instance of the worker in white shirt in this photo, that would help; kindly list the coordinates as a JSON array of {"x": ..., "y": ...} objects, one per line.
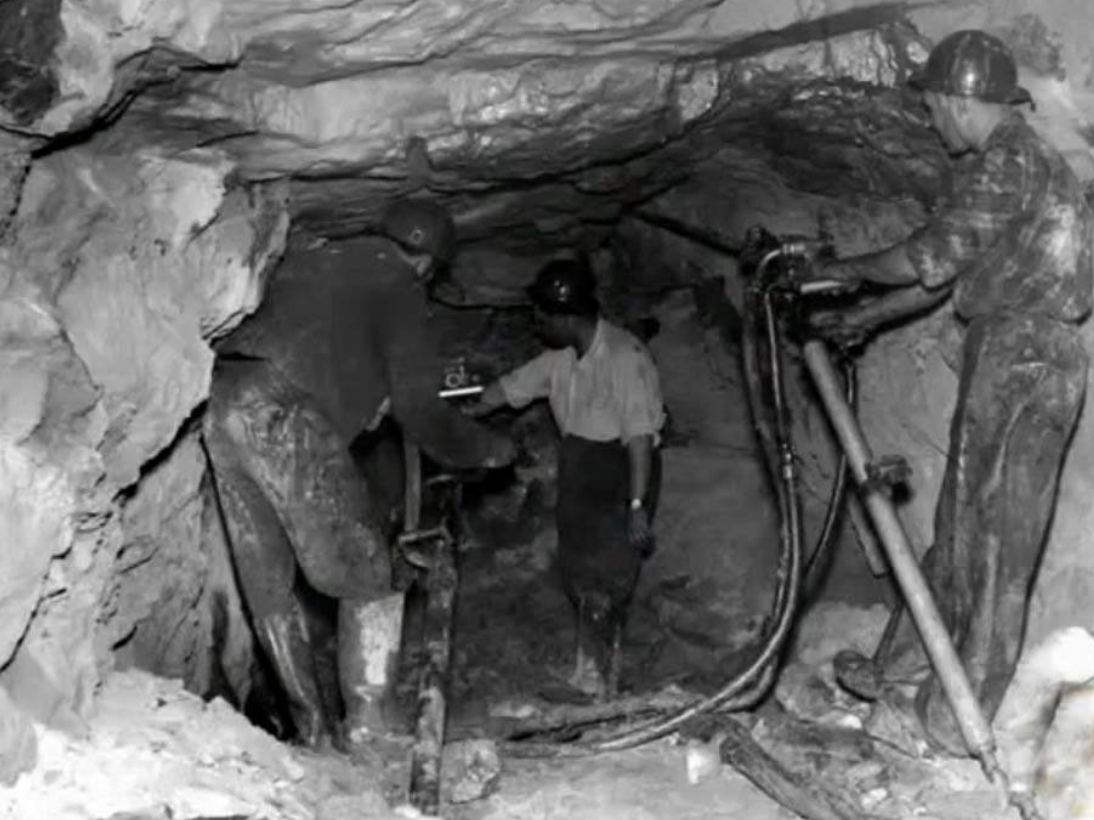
[{"x": 604, "y": 392}]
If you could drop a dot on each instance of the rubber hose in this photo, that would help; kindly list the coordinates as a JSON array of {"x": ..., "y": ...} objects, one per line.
[
  {"x": 838, "y": 496},
  {"x": 790, "y": 537}
]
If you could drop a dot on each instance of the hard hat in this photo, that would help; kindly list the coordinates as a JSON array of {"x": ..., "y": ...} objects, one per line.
[
  {"x": 421, "y": 226},
  {"x": 565, "y": 286},
  {"x": 972, "y": 63}
]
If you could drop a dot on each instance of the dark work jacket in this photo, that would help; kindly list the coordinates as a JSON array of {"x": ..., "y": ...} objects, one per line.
[{"x": 348, "y": 325}]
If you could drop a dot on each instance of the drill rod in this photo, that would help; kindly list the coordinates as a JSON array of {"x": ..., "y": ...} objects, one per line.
[{"x": 917, "y": 595}]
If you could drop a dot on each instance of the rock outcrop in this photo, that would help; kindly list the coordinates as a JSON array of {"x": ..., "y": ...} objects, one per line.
[
  {"x": 117, "y": 274},
  {"x": 152, "y": 155}
]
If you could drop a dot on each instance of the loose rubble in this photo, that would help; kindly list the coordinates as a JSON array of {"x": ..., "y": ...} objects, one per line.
[{"x": 154, "y": 750}]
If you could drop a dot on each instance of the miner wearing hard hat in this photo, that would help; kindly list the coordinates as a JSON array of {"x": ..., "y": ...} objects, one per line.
[
  {"x": 604, "y": 392},
  {"x": 1011, "y": 247},
  {"x": 341, "y": 341}
]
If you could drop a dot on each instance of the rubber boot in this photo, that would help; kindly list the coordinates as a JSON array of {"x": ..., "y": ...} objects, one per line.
[
  {"x": 284, "y": 637},
  {"x": 615, "y": 658},
  {"x": 369, "y": 635},
  {"x": 587, "y": 677}
]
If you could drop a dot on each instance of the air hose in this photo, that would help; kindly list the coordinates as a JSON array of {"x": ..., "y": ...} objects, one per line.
[
  {"x": 771, "y": 420},
  {"x": 838, "y": 496}
]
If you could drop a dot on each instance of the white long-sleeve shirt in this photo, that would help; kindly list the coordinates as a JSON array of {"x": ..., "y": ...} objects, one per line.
[{"x": 611, "y": 393}]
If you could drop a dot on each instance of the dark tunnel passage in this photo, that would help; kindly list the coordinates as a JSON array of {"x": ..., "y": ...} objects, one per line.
[
  {"x": 702, "y": 599},
  {"x": 661, "y": 233}
]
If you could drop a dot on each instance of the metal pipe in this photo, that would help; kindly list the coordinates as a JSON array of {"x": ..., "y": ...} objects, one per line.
[
  {"x": 429, "y": 736},
  {"x": 839, "y": 495},
  {"x": 917, "y": 595},
  {"x": 456, "y": 392}
]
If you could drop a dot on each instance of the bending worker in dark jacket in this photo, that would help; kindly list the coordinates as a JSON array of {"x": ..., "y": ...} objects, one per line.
[
  {"x": 341, "y": 341},
  {"x": 1012, "y": 246},
  {"x": 605, "y": 396}
]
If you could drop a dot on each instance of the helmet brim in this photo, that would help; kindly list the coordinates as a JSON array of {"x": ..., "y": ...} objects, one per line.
[
  {"x": 1020, "y": 96},
  {"x": 919, "y": 81},
  {"x": 583, "y": 307}
]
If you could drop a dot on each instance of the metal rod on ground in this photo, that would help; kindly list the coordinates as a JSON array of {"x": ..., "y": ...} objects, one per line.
[
  {"x": 806, "y": 797},
  {"x": 427, "y": 751},
  {"x": 426, "y": 754},
  {"x": 917, "y": 595}
]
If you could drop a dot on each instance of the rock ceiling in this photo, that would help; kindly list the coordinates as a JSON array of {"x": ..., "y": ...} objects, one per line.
[{"x": 569, "y": 106}]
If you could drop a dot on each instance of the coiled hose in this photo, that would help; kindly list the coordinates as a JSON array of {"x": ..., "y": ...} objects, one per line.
[{"x": 772, "y": 424}]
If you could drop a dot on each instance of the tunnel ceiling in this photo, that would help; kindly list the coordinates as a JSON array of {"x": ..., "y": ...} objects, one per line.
[{"x": 522, "y": 113}]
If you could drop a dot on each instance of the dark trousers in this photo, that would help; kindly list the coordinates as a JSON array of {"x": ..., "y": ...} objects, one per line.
[
  {"x": 1022, "y": 385},
  {"x": 594, "y": 550},
  {"x": 293, "y": 501}
]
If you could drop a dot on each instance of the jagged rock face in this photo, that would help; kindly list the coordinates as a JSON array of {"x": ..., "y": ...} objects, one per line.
[
  {"x": 171, "y": 604},
  {"x": 486, "y": 93},
  {"x": 117, "y": 273},
  {"x": 123, "y": 256}
]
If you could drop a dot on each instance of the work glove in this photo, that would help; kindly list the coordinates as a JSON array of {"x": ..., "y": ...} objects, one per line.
[{"x": 640, "y": 533}]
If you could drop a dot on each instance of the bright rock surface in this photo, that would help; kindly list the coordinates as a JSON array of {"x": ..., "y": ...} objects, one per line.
[
  {"x": 157, "y": 751},
  {"x": 118, "y": 273}
]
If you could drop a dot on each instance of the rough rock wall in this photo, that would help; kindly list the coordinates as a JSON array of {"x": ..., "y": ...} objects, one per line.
[
  {"x": 355, "y": 99},
  {"x": 129, "y": 253},
  {"x": 171, "y": 604},
  {"x": 116, "y": 274}
]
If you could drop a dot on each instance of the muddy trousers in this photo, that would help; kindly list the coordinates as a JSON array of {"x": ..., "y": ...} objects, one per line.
[
  {"x": 293, "y": 501},
  {"x": 1022, "y": 385}
]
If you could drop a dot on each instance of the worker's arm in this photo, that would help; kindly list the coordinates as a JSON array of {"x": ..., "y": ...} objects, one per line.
[
  {"x": 518, "y": 388},
  {"x": 642, "y": 416},
  {"x": 888, "y": 267},
  {"x": 640, "y": 458},
  {"x": 899, "y": 305},
  {"x": 492, "y": 398},
  {"x": 852, "y": 326},
  {"x": 414, "y": 369},
  {"x": 977, "y": 216}
]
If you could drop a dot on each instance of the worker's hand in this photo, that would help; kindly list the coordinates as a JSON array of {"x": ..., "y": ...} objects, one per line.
[
  {"x": 845, "y": 276},
  {"x": 639, "y": 532},
  {"x": 843, "y": 328},
  {"x": 504, "y": 453},
  {"x": 491, "y": 398}
]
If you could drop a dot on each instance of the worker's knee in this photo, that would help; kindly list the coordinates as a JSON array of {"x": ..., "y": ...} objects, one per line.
[
  {"x": 242, "y": 397},
  {"x": 260, "y": 547},
  {"x": 351, "y": 560}
]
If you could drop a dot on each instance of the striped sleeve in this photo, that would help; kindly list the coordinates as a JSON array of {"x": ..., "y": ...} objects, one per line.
[{"x": 980, "y": 212}]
